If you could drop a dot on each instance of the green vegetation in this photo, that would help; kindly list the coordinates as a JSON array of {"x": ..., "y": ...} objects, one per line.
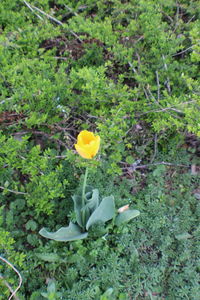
[{"x": 128, "y": 70}]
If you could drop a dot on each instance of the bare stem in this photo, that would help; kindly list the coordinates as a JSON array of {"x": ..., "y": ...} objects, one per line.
[
  {"x": 20, "y": 279},
  {"x": 158, "y": 84},
  {"x": 32, "y": 8},
  {"x": 134, "y": 167},
  {"x": 12, "y": 191}
]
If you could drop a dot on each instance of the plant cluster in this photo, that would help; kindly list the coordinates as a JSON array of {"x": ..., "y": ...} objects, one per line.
[{"x": 128, "y": 70}]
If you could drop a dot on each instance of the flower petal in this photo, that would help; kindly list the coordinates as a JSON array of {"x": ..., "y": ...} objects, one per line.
[
  {"x": 87, "y": 144},
  {"x": 82, "y": 152},
  {"x": 85, "y": 137}
]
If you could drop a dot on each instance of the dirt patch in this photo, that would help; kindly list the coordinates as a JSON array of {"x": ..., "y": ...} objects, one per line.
[
  {"x": 9, "y": 117},
  {"x": 73, "y": 49}
]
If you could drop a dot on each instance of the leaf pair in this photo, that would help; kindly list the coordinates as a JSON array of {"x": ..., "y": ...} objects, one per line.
[
  {"x": 83, "y": 212},
  {"x": 92, "y": 212},
  {"x": 88, "y": 213}
]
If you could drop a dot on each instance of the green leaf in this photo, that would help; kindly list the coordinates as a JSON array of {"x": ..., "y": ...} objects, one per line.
[
  {"x": 104, "y": 212},
  {"x": 31, "y": 225},
  {"x": 45, "y": 295},
  {"x": 126, "y": 216},
  {"x": 77, "y": 208},
  {"x": 64, "y": 234},
  {"x": 50, "y": 257},
  {"x": 51, "y": 287},
  {"x": 183, "y": 236},
  {"x": 93, "y": 202}
]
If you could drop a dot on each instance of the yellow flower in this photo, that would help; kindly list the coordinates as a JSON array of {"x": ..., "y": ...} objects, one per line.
[{"x": 87, "y": 144}]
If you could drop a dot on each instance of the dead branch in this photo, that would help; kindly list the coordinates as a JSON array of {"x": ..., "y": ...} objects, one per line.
[
  {"x": 20, "y": 279},
  {"x": 32, "y": 8},
  {"x": 12, "y": 191}
]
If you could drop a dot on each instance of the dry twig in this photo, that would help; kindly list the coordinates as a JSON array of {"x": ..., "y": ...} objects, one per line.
[
  {"x": 134, "y": 167},
  {"x": 183, "y": 51},
  {"x": 158, "y": 84},
  {"x": 12, "y": 191},
  {"x": 167, "y": 81},
  {"x": 20, "y": 279},
  {"x": 167, "y": 108},
  {"x": 32, "y": 8},
  {"x": 155, "y": 147}
]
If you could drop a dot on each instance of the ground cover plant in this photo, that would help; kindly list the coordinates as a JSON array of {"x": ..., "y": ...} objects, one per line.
[{"x": 129, "y": 72}]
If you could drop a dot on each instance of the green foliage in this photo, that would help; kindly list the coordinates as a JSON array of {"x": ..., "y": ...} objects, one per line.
[
  {"x": 8, "y": 251},
  {"x": 26, "y": 171},
  {"x": 51, "y": 294},
  {"x": 90, "y": 209},
  {"x": 129, "y": 66},
  {"x": 130, "y": 70}
]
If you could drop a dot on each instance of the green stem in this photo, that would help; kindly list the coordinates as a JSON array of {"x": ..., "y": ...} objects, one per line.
[
  {"x": 84, "y": 187},
  {"x": 83, "y": 194}
]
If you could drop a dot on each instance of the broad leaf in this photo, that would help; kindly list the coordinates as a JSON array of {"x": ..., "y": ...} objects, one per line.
[
  {"x": 104, "y": 212},
  {"x": 77, "y": 208},
  {"x": 183, "y": 236},
  {"x": 93, "y": 202},
  {"x": 83, "y": 213},
  {"x": 64, "y": 234},
  {"x": 50, "y": 257},
  {"x": 126, "y": 216}
]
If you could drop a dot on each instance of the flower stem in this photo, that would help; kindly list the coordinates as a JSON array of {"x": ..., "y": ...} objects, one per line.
[
  {"x": 84, "y": 187},
  {"x": 83, "y": 194}
]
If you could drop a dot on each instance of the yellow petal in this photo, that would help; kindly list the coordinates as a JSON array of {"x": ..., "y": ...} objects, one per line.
[
  {"x": 94, "y": 146},
  {"x": 82, "y": 152},
  {"x": 85, "y": 137},
  {"x": 87, "y": 144}
]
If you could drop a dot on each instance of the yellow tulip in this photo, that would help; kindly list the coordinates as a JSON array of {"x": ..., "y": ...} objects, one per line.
[{"x": 87, "y": 144}]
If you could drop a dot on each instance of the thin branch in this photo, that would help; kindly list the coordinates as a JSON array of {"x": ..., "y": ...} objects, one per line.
[
  {"x": 176, "y": 17},
  {"x": 190, "y": 19},
  {"x": 155, "y": 147},
  {"x": 71, "y": 10},
  {"x": 183, "y": 51},
  {"x": 167, "y": 108},
  {"x": 162, "y": 163},
  {"x": 28, "y": 5},
  {"x": 150, "y": 93},
  {"x": 158, "y": 84},
  {"x": 161, "y": 110},
  {"x": 133, "y": 167},
  {"x": 19, "y": 275},
  {"x": 171, "y": 20},
  {"x": 31, "y": 7},
  {"x": 167, "y": 81},
  {"x": 12, "y": 191},
  {"x": 9, "y": 287},
  {"x": 58, "y": 141},
  {"x": 57, "y": 157},
  {"x": 135, "y": 71},
  {"x": 47, "y": 15},
  {"x": 139, "y": 39},
  {"x": 58, "y": 57},
  {"x": 93, "y": 117}
]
